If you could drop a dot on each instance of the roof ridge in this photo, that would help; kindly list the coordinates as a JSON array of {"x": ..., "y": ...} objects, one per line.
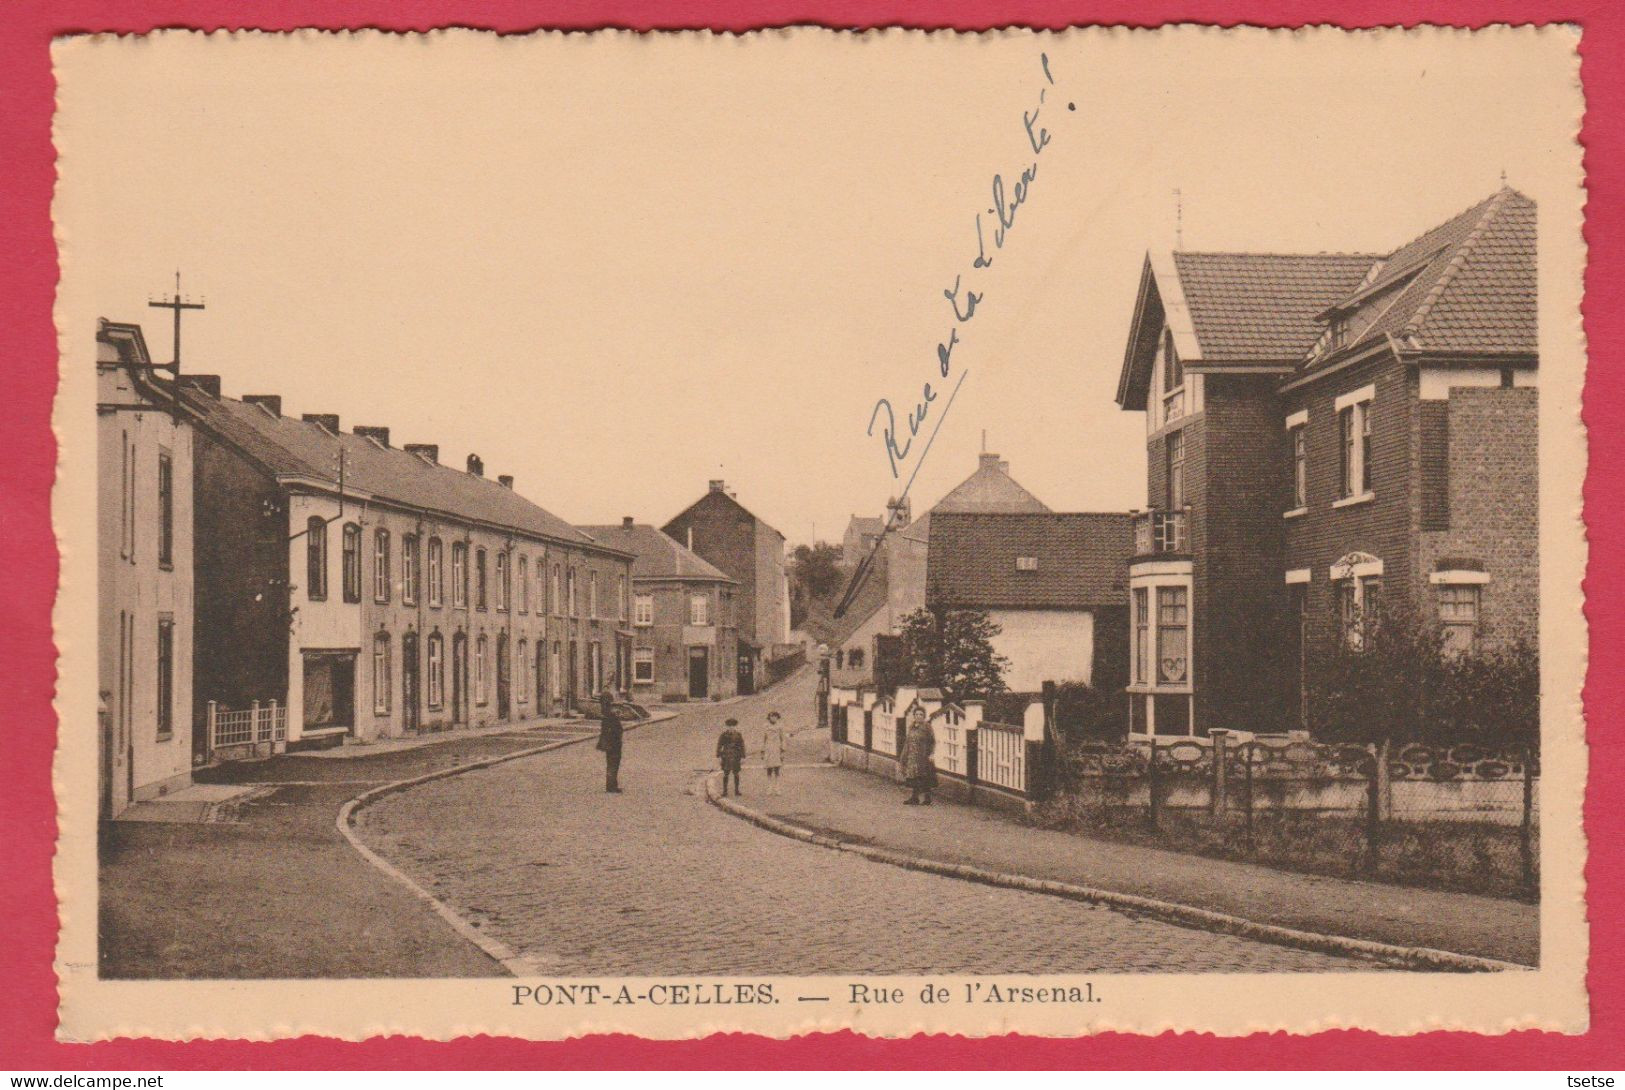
[
  {"x": 1463, "y": 251},
  {"x": 1360, "y": 254}
]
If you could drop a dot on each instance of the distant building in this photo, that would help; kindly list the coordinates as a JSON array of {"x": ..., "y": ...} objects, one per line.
[
  {"x": 685, "y": 635},
  {"x": 1055, "y": 584},
  {"x": 1326, "y": 432},
  {"x": 862, "y": 534},
  {"x": 851, "y": 640},
  {"x": 750, "y": 552},
  {"x": 372, "y": 592},
  {"x": 990, "y": 489},
  {"x": 144, "y": 582}
]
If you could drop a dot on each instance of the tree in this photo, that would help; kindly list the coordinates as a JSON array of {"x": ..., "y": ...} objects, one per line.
[
  {"x": 954, "y": 653},
  {"x": 815, "y": 576},
  {"x": 1394, "y": 680}
]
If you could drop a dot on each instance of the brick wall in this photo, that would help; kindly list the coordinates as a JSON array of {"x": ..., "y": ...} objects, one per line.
[
  {"x": 1238, "y": 563},
  {"x": 1494, "y": 510},
  {"x": 1382, "y": 527},
  {"x": 725, "y": 535}
]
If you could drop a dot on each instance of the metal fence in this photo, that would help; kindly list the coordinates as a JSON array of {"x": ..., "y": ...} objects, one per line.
[
  {"x": 1459, "y": 816},
  {"x": 256, "y": 725}
]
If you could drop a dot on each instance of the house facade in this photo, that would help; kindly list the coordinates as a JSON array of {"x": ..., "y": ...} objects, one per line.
[
  {"x": 685, "y": 632},
  {"x": 720, "y": 529},
  {"x": 372, "y": 592},
  {"x": 1330, "y": 438},
  {"x": 1055, "y": 584},
  {"x": 144, "y": 575}
]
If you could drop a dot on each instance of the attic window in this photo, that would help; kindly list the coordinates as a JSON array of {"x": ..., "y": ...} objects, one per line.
[
  {"x": 1026, "y": 563},
  {"x": 1340, "y": 330}
]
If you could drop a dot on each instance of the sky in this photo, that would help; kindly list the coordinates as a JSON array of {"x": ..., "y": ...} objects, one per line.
[{"x": 617, "y": 267}]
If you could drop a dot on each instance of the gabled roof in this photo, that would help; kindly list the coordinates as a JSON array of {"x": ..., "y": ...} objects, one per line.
[
  {"x": 292, "y": 448},
  {"x": 1082, "y": 560},
  {"x": 657, "y": 556},
  {"x": 864, "y": 524},
  {"x": 712, "y": 496},
  {"x": 1467, "y": 285},
  {"x": 990, "y": 489},
  {"x": 1263, "y": 308}
]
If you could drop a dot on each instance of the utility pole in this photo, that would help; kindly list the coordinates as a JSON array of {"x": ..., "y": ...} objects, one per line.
[{"x": 177, "y": 304}]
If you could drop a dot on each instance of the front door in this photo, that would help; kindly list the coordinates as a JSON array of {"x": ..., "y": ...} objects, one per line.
[
  {"x": 459, "y": 678},
  {"x": 409, "y": 681},
  {"x": 502, "y": 676},
  {"x": 699, "y": 673}
]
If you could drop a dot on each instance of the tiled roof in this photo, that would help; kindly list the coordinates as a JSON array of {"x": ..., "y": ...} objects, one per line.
[
  {"x": 1082, "y": 560},
  {"x": 990, "y": 489},
  {"x": 866, "y": 525},
  {"x": 285, "y": 445},
  {"x": 1467, "y": 285},
  {"x": 1262, "y": 308},
  {"x": 658, "y": 556},
  {"x": 870, "y": 597}
]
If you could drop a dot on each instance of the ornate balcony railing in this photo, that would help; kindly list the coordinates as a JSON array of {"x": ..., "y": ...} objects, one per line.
[{"x": 1160, "y": 532}]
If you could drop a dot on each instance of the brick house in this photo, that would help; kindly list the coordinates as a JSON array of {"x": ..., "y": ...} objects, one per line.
[
  {"x": 685, "y": 635},
  {"x": 750, "y": 552},
  {"x": 373, "y": 592},
  {"x": 144, "y": 584},
  {"x": 1324, "y": 432},
  {"x": 1055, "y": 584}
]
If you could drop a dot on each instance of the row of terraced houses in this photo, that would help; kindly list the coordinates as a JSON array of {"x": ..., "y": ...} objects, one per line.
[
  {"x": 1324, "y": 433},
  {"x": 270, "y": 581}
]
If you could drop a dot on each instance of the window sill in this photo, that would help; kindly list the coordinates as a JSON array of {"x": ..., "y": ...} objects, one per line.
[
  {"x": 1296, "y": 512},
  {"x": 162, "y": 738},
  {"x": 1354, "y": 501}
]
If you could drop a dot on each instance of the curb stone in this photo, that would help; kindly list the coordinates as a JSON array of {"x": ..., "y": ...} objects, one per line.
[
  {"x": 1416, "y": 958},
  {"x": 493, "y": 948}
]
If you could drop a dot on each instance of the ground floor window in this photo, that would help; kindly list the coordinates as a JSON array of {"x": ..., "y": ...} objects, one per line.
[
  {"x": 1173, "y": 635},
  {"x": 523, "y": 686},
  {"x": 595, "y": 667},
  {"x": 437, "y": 670},
  {"x": 380, "y": 674},
  {"x": 1458, "y": 616},
  {"x": 481, "y": 674},
  {"x": 329, "y": 680},
  {"x": 643, "y": 665},
  {"x": 166, "y": 677}
]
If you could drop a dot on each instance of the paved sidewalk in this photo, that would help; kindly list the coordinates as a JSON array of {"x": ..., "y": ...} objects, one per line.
[{"x": 867, "y": 809}]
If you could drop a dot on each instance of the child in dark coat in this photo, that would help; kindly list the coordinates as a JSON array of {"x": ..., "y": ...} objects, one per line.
[{"x": 731, "y": 752}]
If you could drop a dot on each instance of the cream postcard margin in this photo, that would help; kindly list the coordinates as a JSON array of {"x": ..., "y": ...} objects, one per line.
[{"x": 1551, "y": 997}]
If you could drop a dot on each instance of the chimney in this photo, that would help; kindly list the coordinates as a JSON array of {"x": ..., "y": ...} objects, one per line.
[
  {"x": 626, "y": 522},
  {"x": 990, "y": 461},
  {"x": 475, "y": 466},
  {"x": 378, "y": 435},
  {"x": 271, "y": 403},
  {"x": 330, "y": 421},
  {"x": 429, "y": 452},
  {"x": 719, "y": 486},
  {"x": 505, "y": 480},
  {"x": 208, "y": 384}
]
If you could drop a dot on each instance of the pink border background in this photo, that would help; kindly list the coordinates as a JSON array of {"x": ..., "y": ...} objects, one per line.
[{"x": 28, "y": 577}]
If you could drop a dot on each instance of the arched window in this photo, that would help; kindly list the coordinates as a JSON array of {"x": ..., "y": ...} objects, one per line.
[
  {"x": 316, "y": 558},
  {"x": 380, "y": 565},
  {"x": 459, "y": 575},
  {"x": 523, "y": 580},
  {"x": 380, "y": 674},
  {"x": 570, "y": 590},
  {"x": 437, "y": 668},
  {"x": 522, "y": 675},
  {"x": 502, "y": 581},
  {"x": 479, "y": 578},
  {"x": 481, "y": 674},
  {"x": 558, "y": 599},
  {"x": 436, "y": 591},
  {"x": 352, "y": 562}
]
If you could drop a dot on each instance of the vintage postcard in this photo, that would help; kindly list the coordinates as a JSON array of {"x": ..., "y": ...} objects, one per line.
[{"x": 904, "y": 532}]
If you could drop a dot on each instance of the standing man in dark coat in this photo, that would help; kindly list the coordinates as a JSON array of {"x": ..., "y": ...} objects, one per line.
[
  {"x": 731, "y": 753},
  {"x": 609, "y": 740}
]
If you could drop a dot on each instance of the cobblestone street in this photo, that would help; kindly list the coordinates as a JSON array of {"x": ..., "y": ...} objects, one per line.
[{"x": 657, "y": 882}]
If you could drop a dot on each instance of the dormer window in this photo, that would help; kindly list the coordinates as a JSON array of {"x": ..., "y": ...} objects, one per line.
[{"x": 1339, "y": 330}]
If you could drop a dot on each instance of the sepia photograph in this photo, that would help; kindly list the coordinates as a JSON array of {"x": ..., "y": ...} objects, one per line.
[{"x": 890, "y": 531}]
